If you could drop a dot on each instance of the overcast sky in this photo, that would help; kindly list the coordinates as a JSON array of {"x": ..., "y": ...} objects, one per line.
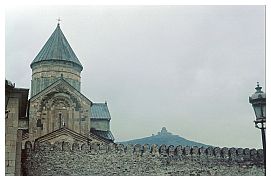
[{"x": 188, "y": 68}]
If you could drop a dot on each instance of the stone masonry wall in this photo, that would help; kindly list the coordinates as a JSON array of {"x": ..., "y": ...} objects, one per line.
[
  {"x": 47, "y": 72},
  {"x": 12, "y": 165},
  {"x": 113, "y": 159}
]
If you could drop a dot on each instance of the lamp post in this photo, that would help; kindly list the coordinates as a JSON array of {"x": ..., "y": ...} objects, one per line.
[{"x": 258, "y": 103}]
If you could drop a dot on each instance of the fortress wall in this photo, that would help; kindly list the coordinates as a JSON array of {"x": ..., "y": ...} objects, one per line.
[{"x": 117, "y": 159}]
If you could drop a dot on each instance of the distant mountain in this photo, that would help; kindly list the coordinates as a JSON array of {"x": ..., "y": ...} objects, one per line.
[{"x": 164, "y": 137}]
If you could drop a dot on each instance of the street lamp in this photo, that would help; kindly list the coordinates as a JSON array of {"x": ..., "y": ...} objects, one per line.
[{"x": 258, "y": 103}]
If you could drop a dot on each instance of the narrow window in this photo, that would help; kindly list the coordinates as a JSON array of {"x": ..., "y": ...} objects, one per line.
[
  {"x": 39, "y": 125},
  {"x": 60, "y": 119}
]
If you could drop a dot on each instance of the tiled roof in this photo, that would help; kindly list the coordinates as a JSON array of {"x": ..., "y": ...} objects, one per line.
[
  {"x": 99, "y": 111},
  {"x": 57, "y": 48},
  {"x": 104, "y": 134}
]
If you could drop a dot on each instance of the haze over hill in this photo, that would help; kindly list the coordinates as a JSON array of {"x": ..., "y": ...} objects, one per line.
[{"x": 164, "y": 137}]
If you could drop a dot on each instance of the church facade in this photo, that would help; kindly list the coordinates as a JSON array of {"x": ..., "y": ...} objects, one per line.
[{"x": 58, "y": 111}]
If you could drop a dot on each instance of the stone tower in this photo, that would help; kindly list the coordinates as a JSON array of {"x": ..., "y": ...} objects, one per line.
[{"x": 55, "y": 59}]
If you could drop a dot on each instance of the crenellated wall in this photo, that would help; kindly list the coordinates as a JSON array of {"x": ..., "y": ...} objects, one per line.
[{"x": 117, "y": 159}]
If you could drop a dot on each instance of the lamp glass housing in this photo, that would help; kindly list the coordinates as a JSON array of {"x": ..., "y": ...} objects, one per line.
[{"x": 259, "y": 110}]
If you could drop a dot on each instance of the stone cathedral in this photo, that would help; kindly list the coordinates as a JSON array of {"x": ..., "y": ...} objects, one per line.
[{"x": 58, "y": 111}]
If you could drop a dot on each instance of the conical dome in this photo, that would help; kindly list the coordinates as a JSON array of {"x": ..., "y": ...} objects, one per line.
[
  {"x": 55, "y": 60},
  {"x": 57, "y": 48}
]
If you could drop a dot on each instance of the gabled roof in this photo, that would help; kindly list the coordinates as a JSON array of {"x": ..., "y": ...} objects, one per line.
[
  {"x": 99, "y": 111},
  {"x": 57, "y": 82},
  {"x": 63, "y": 131},
  {"x": 76, "y": 136},
  {"x": 57, "y": 48}
]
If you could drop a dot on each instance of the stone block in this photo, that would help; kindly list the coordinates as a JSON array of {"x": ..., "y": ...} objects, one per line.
[
  {"x": 85, "y": 147},
  {"x": 11, "y": 155},
  {"x": 57, "y": 146},
  {"x": 11, "y": 130},
  {"x": 11, "y": 163},
  {"x": 233, "y": 153},
  {"x": 11, "y": 137},
  {"x": 260, "y": 154},
  {"x": 138, "y": 149},
  {"x": 163, "y": 150},
  {"x": 195, "y": 151},
  {"x": 225, "y": 153},
  {"x": 202, "y": 151},
  {"x": 75, "y": 147},
  {"x": 130, "y": 149},
  {"x": 66, "y": 146},
  {"x": 171, "y": 150},
  {"x": 187, "y": 150},
  {"x": 210, "y": 152},
  {"x": 154, "y": 150},
  {"x": 246, "y": 154},
  {"x": 120, "y": 148},
  {"x": 179, "y": 150},
  {"x": 10, "y": 170},
  {"x": 217, "y": 152},
  {"x": 9, "y": 123}
]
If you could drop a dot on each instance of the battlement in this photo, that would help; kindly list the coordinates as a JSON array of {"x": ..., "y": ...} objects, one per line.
[
  {"x": 64, "y": 158},
  {"x": 232, "y": 154}
]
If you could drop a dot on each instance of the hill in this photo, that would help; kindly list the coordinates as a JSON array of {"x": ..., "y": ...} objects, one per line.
[{"x": 164, "y": 137}]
